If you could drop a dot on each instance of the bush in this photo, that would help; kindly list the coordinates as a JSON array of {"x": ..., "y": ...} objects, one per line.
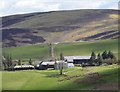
[{"x": 109, "y": 61}]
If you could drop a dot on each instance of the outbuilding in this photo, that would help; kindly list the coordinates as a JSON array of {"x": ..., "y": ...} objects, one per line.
[{"x": 21, "y": 67}]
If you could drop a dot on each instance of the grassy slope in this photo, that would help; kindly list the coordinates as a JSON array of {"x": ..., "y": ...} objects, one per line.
[
  {"x": 76, "y": 48},
  {"x": 85, "y": 48},
  {"x": 48, "y": 79}
]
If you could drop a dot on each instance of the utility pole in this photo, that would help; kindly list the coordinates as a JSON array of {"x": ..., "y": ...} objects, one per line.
[{"x": 51, "y": 53}]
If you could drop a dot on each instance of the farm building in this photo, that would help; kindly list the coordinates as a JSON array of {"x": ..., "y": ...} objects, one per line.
[
  {"x": 59, "y": 64},
  {"x": 52, "y": 65},
  {"x": 77, "y": 60},
  {"x": 46, "y": 65},
  {"x": 21, "y": 67},
  {"x": 70, "y": 65}
]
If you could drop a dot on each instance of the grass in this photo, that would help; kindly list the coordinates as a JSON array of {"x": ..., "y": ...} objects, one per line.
[
  {"x": 27, "y": 51},
  {"x": 0, "y": 80},
  {"x": 85, "y": 48},
  {"x": 48, "y": 79},
  {"x": 75, "y": 48}
]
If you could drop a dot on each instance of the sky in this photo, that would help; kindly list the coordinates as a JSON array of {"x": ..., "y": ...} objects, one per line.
[{"x": 11, "y": 7}]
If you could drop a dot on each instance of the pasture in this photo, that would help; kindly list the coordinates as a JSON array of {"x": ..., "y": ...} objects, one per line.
[
  {"x": 72, "y": 79},
  {"x": 41, "y": 51}
]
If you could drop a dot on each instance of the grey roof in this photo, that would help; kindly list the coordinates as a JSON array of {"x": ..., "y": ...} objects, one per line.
[
  {"x": 71, "y": 58},
  {"x": 48, "y": 63},
  {"x": 24, "y": 66}
]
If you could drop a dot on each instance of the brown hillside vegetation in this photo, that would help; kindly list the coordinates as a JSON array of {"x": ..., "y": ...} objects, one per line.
[{"x": 60, "y": 26}]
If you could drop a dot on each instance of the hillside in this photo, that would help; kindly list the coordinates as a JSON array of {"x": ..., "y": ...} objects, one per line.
[{"x": 59, "y": 26}]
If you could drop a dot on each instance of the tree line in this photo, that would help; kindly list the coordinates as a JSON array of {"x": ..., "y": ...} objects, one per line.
[
  {"x": 8, "y": 62},
  {"x": 106, "y": 57}
]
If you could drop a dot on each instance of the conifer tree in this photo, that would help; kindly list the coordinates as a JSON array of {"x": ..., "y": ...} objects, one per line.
[
  {"x": 104, "y": 55},
  {"x": 93, "y": 57},
  {"x": 30, "y": 61},
  {"x": 99, "y": 58}
]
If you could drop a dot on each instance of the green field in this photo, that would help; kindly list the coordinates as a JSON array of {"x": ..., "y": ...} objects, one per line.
[
  {"x": 75, "y": 48},
  {"x": 51, "y": 80}
]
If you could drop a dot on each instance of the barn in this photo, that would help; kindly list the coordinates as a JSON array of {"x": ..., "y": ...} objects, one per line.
[
  {"x": 46, "y": 65},
  {"x": 77, "y": 60}
]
